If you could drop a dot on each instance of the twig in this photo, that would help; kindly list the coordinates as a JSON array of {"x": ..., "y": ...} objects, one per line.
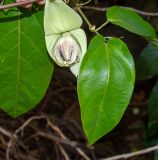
[
  {"x": 79, "y": 150},
  {"x": 17, "y": 4},
  {"x": 22, "y": 127},
  {"x": 129, "y": 155},
  {"x": 13, "y": 137},
  {"x": 3, "y": 141},
  {"x": 56, "y": 139},
  {"x": 101, "y": 26},
  {"x": 82, "y": 4},
  {"x": 12, "y": 140},
  {"x": 101, "y": 9},
  {"x": 5, "y": 132},
  {"x": 62, "y": 141},
  {"x": 73, "y": 122},
  {"x": 63, "y": 152},
  {"x": 17, "y": 144},
  {"x": 55, "y": 128}
]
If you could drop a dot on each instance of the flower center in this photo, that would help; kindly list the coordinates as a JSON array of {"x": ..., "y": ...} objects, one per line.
[{"x": 67, "y": 51}]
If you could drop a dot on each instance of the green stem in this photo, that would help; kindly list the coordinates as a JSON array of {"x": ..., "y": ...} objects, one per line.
[
  {"x": 82, "y": 4},
  {"x": 101, "y": 26},
  {"x": 91, "y": 27}
]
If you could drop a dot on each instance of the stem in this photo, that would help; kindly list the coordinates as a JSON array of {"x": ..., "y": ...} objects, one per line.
[
  {"x": 101, "y": 26},
  {"x": 17, "y": 4},
  {"x": 91, "y": 27},
  {"x": 103, "y": 9},
  {"x": 129, "y": 155},
  {"x": 66, "y": 1},
  {"x": 82, "y": 4}
]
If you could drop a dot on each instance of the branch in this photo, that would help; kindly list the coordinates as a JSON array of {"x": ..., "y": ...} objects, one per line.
[
  {"x": 101, "y": 9},
  {"x": 55, "y": 128},
  {"x": 17, "y": 4},
  {"x": 82, "y": 4},
  {"x": 91, "y": 27},
  {"x": 5, "y": 132},
  {"x": 63, "y": 152},
  {"x": 26, "y": 123},
  {"x": 129, "y": 155}
]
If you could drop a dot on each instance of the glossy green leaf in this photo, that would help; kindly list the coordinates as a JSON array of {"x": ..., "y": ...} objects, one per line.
[
  {"x": 105, "y": 86},
  {"x": 147, "y": 62},
  {"x": 153, "y": 104},
  {"x": 130, "y": 21},
  {"x": 25, "y": 68}
]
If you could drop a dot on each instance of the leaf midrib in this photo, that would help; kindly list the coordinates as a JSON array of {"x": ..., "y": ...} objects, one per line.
[
  {"x": 113, "y": 19},
  {"x": 105, "y": 90},
  {"x": 18, "y": 67}
]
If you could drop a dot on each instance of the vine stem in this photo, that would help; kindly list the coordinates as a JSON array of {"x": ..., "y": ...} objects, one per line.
[
  {"x": 129, "y": 155},
  {"x": 101, "y": 26},
  {"x": 82, "y": 4},
  {"x": 103, "y": 9},
  {"x": 17, "y": 4},
  {"x": 91, "y": 27}
]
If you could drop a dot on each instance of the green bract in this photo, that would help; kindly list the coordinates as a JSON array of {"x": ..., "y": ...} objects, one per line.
[{"x": 66, "y": 42}]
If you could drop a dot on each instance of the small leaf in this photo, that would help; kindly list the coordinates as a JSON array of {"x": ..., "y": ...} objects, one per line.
[
  {"x": 153, "y": 104},
  {"x": 130, "y": 21},
  {"x": 105, "y": 86},
  {"x": 25, "y": 68},
  {"x": 146, "y": 63}
]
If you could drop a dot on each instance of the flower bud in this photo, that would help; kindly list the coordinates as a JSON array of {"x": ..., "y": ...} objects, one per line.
[
  {"x": 66, "y": 42},
  {"x": 66, "y": 50}
]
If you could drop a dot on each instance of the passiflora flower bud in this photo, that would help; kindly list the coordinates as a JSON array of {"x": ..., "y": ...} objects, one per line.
[
  {"x": 66, "y": 42},
  {"x": 66, "y": 50}
]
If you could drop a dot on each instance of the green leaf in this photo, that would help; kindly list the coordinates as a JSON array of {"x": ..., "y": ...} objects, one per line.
[
  {"x": 130, "y": 21},
  {"x": 153, "y": 104},
  {"x": 25, "y": 68},
  {"x": 105, "y": 86},
  {"x": 147, "y": 62},
  {"x": 153, "y": 41}
]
